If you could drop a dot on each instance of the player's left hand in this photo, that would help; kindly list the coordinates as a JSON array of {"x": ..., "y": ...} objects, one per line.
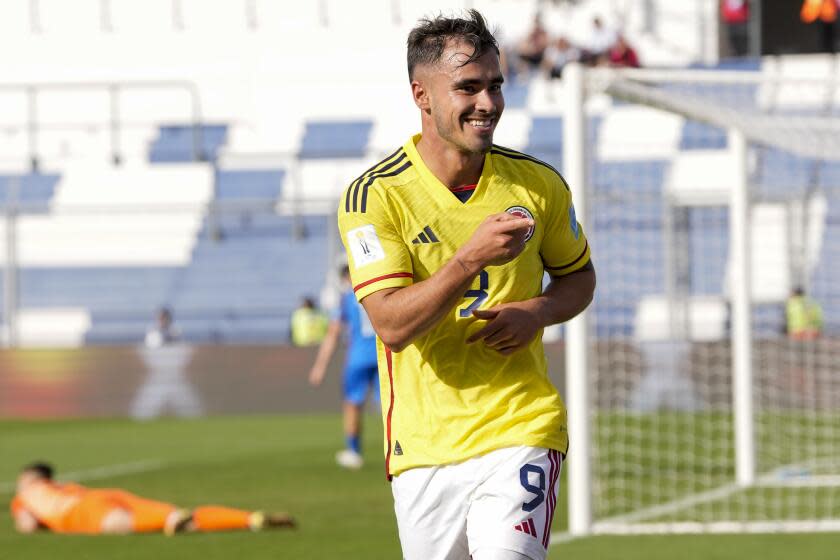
[{"x": 509, "y": 327}]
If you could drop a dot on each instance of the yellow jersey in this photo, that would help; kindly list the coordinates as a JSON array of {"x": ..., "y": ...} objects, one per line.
[{"x": 443, "y": 400}]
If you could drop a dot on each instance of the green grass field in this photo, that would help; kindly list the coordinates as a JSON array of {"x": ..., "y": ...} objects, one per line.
[{"x": 282, "y": 463}]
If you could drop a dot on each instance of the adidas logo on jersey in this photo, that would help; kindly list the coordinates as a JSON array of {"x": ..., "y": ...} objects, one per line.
[
  {"x": 397, "y": 448},
  {"x": 527, "y": 527},
  {"x": 425, "y": 236}
]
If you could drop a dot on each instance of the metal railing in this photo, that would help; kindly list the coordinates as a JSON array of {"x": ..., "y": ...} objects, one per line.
[
  {"x": 113, "y": 90},
  {"x": 178, "y": 21}
]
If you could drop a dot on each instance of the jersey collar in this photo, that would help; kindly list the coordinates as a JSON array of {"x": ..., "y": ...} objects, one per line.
[{"x": 438, "y": 189}]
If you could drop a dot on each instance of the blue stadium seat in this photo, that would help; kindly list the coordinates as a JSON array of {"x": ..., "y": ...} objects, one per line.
[
  {"x": 783, "y": 174},
  {"x": 643, "y": 177},
  {"x": 823, "y": 285},
  {"x": 252, "y": 226},
  {"x": 34, "y": 192},
  {"x": 708, "y": 249},
  {"x": 176, "y": 143},
  {"x": 96, "y": 288},
  {"x": 768, "y": 320},
  {"x": 274, "y": 271},
  {"x": 742, "y": 64},
  {"x": 263, "y": 184},
  {"x": 545, "y": 140},
  {"x": 700, "y": 136},
  {"x": 629, "y": 258},
  {"x": 335, "y": 139},
  {"x": 829, "y": 175},
  {"x": 516, "y": 94}
]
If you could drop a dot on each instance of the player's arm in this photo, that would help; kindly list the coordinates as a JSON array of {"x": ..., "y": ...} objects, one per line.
[
  {"x": 25, "y": 522},
  {"x": 400, "y": 315},
  {"x": 325, "y": 352},
  {"x": 511, "y": 326},
  {"x": 566, "y": 257}
]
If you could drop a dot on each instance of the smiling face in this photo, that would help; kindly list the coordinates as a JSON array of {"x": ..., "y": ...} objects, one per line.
[{"x": 461, "y": 103}]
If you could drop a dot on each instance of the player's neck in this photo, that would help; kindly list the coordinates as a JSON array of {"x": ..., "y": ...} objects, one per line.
[{"x": 452, "y": 167}]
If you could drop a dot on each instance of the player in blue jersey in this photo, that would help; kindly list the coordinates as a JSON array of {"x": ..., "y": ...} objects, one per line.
[{"x": 361, "y": 376}]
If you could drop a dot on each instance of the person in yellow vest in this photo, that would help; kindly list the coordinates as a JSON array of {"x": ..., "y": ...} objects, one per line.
[
  {"x": 309, "y": 324},
  {"x": 826, "y": 12},
  {"x": 804, "y": 316}
]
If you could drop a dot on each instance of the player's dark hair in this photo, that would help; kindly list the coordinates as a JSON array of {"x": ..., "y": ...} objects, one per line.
[
  {"x": 428, "y": 39},
  {"x": 345, "y": 270},
  {"x": 42, "y": 469}
]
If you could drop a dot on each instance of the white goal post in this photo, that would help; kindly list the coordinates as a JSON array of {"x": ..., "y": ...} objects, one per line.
[{"x": 707, "y": 196}]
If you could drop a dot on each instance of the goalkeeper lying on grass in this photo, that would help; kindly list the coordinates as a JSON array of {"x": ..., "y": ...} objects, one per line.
[{"x": 42, "y": 503}]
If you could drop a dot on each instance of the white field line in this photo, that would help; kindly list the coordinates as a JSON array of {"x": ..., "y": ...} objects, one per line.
[
  {"x": 714, "y": 527},
  {"x": 719, "y": 527},
  {"x": 98, "y": 473},
  {"x": 677, "y": 505},
  {"x": 804, "y": 481},
  {"x": 775, "y": 479},
  {"x": 655, "y": 511}
]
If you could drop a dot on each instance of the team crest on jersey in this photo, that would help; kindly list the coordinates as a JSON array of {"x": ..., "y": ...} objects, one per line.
[{"x": 522, "y": 212}]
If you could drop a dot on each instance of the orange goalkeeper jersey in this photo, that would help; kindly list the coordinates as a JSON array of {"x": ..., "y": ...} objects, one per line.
[{"x": 49, "y": 502}]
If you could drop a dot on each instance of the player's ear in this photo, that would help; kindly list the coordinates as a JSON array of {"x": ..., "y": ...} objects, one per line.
[{"x": 420, "y": 95}]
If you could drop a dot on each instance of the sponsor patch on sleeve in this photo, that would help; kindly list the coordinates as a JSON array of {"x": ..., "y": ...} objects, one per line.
[{"x": 365, "y": 245}]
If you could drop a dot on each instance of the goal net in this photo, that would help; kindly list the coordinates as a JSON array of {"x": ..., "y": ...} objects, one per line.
[{"x": 674, "y": 446}]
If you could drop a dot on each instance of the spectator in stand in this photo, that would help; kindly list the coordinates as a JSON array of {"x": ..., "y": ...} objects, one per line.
[
  {"x": 600, "y": 42},
  {"x": 558, "y": 54},
  {"x": 530, "y": 50},
  {"x": 309, "y": 324},
  {"x": 826, "y": 12},
  {"x": 622, "y": 54},
  {"x": 736, "y": 15}
]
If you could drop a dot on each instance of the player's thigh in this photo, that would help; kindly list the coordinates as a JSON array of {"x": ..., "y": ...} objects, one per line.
[
  {"x": 498, "y": 554},
  {"x": 88, "y": 515},
  {"x": 357, "y": 383},
  {"x": 117, "y": 521},
  {"x": 431, "y": 505},
  {"x": 514, "y": 507}
]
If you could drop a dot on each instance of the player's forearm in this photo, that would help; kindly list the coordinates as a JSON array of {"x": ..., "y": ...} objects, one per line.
[
  {"x": 328, "y": 346},
  {"x": 565, "y": 297},
  {"x": 401, "y": 315},
  {"x": 25, "y": 523}
]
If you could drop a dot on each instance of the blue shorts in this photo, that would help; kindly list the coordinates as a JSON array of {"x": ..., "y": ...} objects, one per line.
[{"x": 358, "y": 381}]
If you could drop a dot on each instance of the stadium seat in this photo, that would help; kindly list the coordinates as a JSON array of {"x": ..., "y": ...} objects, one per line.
[
  {"x": 177, "y": 143},
  {"x": 699, "y": 136},
  {"x": 33, "y": 191},
  {"x": 335, "y": 139},
  {"x": 254, "y": 184}
]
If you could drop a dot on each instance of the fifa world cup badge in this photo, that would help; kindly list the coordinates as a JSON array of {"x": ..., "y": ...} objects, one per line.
[{"x": 365, "y": 245}]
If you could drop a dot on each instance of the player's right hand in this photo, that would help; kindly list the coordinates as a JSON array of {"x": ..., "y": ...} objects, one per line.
[
  {"x": 316, "y": 376},
  {"x": 499, "y": 239}
]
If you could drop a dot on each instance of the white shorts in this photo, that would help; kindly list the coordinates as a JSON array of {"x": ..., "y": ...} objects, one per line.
[{"x": 504, "y": 499}]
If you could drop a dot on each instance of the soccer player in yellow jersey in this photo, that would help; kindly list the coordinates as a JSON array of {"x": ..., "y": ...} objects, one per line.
[{"x": 448, "y": 239}]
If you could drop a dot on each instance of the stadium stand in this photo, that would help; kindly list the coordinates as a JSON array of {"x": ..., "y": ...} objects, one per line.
[{"x": 231, "y": 235}]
